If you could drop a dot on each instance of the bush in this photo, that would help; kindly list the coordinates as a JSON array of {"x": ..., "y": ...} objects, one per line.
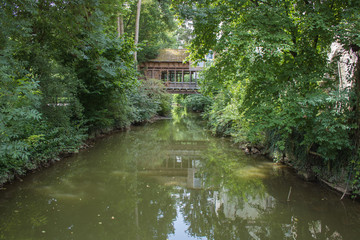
[{"x": 197, "y": 102}]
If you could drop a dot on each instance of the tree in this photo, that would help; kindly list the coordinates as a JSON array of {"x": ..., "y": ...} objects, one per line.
[
  {"x": 155, "y": 27},
  {"x": 120, "y": 25},
  {"x": 65, "y": 74},
  {"x": 137, "y": 27},
  {"x": 272, "y": 81}
]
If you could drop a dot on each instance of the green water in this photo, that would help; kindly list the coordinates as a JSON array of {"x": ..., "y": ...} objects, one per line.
[{"x": 171, "y": 180}]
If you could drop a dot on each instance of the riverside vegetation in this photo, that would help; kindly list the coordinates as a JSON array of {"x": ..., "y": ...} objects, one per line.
[
  {"x": 272, "y": 82},
  {"x": 65, "y": 74}
]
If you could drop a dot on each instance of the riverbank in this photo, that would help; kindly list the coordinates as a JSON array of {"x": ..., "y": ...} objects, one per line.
[
  {"x": 342, "y": 188},
  {"x": 171, "y": 175},
  {"x": 27, "y": 146},
  {"x": 89, "y": 142},
  {"x": 311, "y": 170}
]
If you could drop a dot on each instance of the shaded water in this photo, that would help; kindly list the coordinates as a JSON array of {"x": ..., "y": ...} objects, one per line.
[{"x": 171, "y": 180}]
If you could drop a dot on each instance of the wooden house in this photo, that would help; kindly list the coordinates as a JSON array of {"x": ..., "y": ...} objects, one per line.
[
  {"x": 170, "y": 65},
  {"x": 177, "y": 73}
]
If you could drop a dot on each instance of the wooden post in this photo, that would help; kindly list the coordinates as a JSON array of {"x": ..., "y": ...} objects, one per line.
[
  {"x": 182, "y": 73},
  {"x": 190, "y": 76}
]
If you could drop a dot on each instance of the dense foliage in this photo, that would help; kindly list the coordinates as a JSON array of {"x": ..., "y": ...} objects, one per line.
[
  {"x": 64, "y": 74},
  {"x": 156, "y": 26},
  {"x": 192, "y": 102},
  {"x": 272, "y": 81}
]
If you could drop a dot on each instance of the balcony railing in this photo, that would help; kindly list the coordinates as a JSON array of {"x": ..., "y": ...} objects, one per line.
[{"x": 182, "y": 87}]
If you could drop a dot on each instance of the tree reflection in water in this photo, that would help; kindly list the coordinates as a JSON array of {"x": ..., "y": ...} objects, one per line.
[{"x": 155, "y": 180}]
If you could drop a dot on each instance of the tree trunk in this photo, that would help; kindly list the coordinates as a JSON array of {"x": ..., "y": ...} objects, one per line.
[
  {"x": 137, "y": 28},
  {"x": 122, "y": 29},
  {"x": 120, "y": 25},
  {"x": 356, "y": 107}
]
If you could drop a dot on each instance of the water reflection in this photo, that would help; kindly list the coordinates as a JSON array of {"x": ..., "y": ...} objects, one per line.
[{"x": 171, "y": 180}]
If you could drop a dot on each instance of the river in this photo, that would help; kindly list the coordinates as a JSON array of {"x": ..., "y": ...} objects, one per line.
[{"x": 171, "y": 180}]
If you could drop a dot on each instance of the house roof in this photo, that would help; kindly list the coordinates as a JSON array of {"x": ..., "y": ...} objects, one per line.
[{"x": 171, "y": 55}]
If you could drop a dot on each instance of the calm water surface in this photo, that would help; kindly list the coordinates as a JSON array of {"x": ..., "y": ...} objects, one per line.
[{"x": 171, "y": 180}]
